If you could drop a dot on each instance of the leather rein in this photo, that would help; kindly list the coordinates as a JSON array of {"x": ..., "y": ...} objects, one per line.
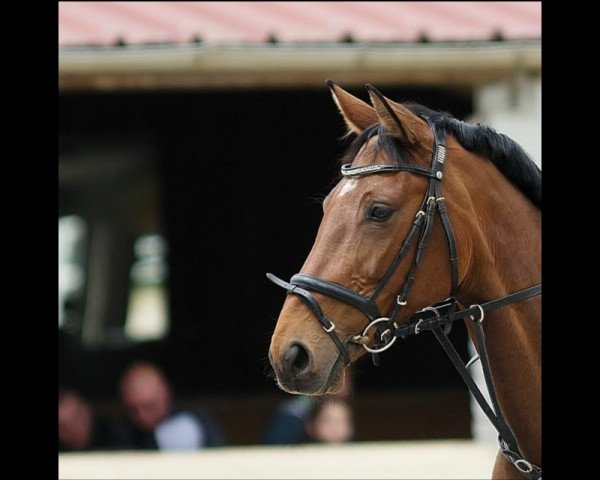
[{"x": 437, "y": 318}]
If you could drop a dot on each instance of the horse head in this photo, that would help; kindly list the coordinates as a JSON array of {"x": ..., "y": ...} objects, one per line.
[{"x": 367, "y": 219}]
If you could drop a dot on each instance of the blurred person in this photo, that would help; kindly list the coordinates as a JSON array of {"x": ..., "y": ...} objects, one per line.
[
  {"x": 155, "y": 421},
  {"x": 80, "y": 427},
  {"x": 287, "y": 425},
  {"x": 330, "y": 421}
]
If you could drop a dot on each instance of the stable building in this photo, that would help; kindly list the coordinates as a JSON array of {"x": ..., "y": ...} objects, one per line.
[{"x": 194, "y": 140}]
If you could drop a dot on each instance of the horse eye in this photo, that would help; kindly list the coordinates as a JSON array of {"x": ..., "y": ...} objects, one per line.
[{"x": 379, "y": 213}]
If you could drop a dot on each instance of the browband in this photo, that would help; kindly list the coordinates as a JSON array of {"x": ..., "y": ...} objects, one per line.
[{"x": 348, "y": 170}]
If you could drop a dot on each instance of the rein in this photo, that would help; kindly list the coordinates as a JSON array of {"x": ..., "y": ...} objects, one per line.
[{"x": 437, "y": 318}]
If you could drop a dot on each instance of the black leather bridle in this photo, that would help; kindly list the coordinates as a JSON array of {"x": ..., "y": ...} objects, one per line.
[{"x": 438, "y": 317}]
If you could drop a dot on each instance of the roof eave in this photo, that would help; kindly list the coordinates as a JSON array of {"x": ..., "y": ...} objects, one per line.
[{"x": 150, "y": 67}]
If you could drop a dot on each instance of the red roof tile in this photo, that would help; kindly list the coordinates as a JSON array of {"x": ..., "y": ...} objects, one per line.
[{"x": 106, "y": 23}]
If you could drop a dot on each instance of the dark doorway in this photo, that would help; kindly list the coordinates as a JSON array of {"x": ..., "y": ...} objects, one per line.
[{"x": 233, "y": 182}]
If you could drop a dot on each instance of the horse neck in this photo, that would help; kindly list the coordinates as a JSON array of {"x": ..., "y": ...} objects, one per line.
[{"x": 504, "y": 250}]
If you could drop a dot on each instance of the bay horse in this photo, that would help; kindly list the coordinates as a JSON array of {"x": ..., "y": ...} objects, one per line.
[{"x": 483, "y": 251}]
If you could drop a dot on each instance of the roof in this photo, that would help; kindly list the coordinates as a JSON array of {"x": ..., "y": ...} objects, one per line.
[{"x": 131, "y": 23}]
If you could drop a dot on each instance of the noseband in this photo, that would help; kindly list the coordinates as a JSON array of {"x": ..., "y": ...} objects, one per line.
[{"x": 439, "y": 317}]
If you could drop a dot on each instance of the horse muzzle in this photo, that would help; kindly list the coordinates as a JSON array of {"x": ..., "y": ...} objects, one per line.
[{"x": 298, "y": 372}]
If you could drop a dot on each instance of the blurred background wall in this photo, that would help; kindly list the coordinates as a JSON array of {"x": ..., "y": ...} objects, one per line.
[{"x": 195, "y": 139}]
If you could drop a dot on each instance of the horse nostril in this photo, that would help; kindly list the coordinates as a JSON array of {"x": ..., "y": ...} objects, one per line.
[{"x": 297, "y": 358}]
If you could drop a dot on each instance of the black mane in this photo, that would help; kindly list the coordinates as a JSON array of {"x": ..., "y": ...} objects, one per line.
[{"x": 506, "y": 154}]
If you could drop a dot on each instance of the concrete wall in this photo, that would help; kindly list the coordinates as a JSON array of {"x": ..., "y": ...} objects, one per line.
[
  {"x": 452, "y": 459},
  {"x": 513, "y": 108}
]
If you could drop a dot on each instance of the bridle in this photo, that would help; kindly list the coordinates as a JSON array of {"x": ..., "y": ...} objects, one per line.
[
  {"x": 302, "y": 285},
  {"x": 438, "y": 317}
]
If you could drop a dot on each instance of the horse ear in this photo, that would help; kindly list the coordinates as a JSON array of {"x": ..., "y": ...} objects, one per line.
[
  {"x": 400, "y": 122},
  {"x": 357, "y": 114}
]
